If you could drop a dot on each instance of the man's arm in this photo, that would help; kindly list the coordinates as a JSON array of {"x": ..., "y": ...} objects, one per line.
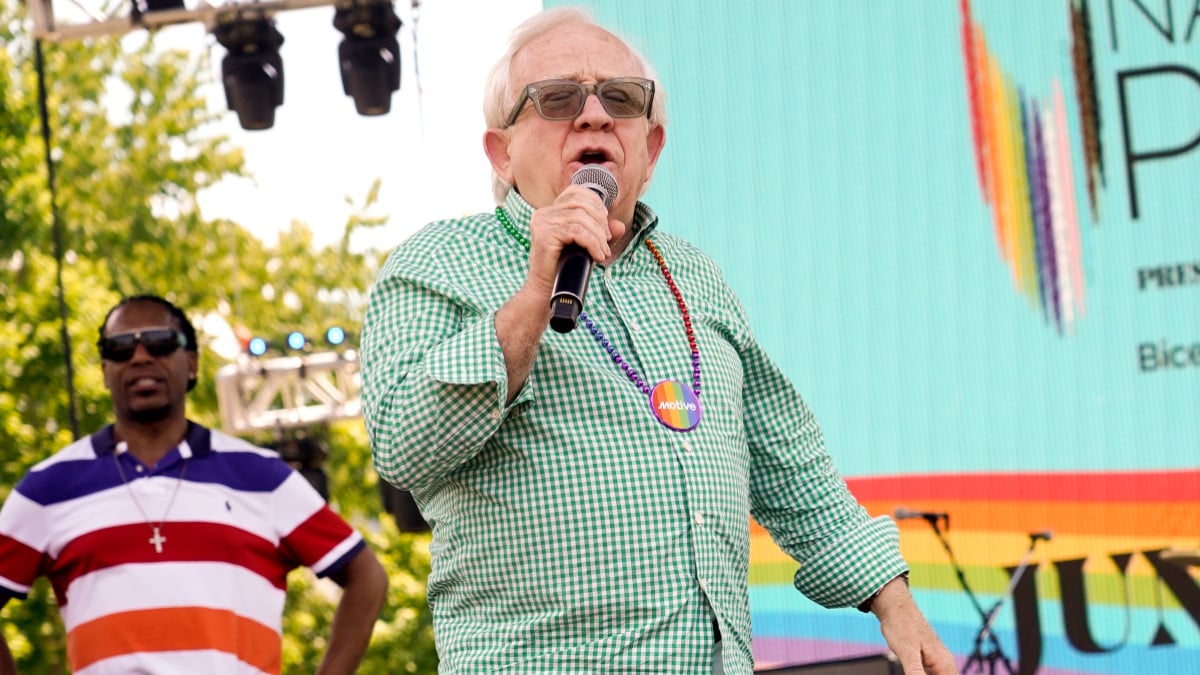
[
  {"x": 519, "y": 327},
  {"x": 364, "y": 589},
  {"x": 909, "y": 634},
  {"x": 7, "y": 665},
  {"x": 577, "y": 216}
]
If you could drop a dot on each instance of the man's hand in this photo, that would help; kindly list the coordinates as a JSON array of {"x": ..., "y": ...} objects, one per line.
[
  {"x": 577, "y": 216},
  {"x": 908, "y": 634}
]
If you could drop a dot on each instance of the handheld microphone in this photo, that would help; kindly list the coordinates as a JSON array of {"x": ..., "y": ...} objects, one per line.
[
  {"x": 575, "y": 264},
  {"x": 902, "y": 513}
]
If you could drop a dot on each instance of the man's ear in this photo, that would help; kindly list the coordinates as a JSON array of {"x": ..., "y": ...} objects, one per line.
[
  {"x": 193, "y": 359},
  {"x": 495, "y": 144},
  {"x": 656, "y": 138}
]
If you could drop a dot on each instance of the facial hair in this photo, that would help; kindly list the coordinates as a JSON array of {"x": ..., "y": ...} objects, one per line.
[{"x": 150, "y": 415}]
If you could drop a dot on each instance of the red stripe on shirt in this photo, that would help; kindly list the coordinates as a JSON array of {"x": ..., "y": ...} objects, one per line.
[
  {"x": 18, "y": 562},
  {"x": 317, "y": 536},
  {"x": 185, "y": 542},
  {"x": 174, "y": 629}
]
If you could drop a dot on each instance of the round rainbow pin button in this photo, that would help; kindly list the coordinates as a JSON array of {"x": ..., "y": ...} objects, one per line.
[{"x": 675, "y": 405}]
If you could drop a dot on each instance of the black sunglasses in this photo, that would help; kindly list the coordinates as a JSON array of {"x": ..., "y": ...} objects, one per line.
[
  {"x": 564, "y": 99},
  {"x": 157, "y": 341}
]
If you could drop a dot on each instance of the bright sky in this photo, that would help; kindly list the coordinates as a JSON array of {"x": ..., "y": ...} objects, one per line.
[{"x": 427, "y": 151}]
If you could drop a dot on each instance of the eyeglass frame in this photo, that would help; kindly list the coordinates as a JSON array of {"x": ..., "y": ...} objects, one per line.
[
  {"x": 107, "y": 353},
  {"x": 528, "y": 94}
]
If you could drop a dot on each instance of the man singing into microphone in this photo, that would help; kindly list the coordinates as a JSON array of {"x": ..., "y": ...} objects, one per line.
[{"x": 590, "y": 491}]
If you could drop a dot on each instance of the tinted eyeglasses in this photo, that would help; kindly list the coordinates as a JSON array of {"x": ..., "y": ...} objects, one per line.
[
  {"x": 564, "y": 99},
  {"x": 158, "y": 342}
]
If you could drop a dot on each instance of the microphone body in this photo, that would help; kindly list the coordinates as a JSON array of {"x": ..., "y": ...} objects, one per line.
[
  {"x": 575, "y": 264},
  {"x": 932, "y": 516}
]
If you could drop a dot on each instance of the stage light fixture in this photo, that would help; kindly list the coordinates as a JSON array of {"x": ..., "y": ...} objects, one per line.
[
  {"x": 307, "y": 456},
  {"x": 147, "y": 6},
  {"x": 335, "y": 336},
  {"x": 257, "y": 346},
  {"x": 369, "y": 55},
  {"x": 296, "y": 341},
  {"x": 252, "y": 70}
]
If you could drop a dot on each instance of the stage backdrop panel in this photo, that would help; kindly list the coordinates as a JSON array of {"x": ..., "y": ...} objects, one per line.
[{"x": 967, "y": 232}]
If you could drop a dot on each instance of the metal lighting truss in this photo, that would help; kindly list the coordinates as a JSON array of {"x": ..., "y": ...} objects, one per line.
[
  {"x": 289, "y": 391},
  {"x": 123, "y": 18}
]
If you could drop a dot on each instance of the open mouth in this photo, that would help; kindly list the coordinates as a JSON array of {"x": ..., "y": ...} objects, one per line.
[
  {"x": 594, "y": 157},
  {"x": 144, "y": 385}
]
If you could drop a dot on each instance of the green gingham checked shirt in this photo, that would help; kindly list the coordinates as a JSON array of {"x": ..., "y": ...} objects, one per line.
[{"x": 573, "y": 533}]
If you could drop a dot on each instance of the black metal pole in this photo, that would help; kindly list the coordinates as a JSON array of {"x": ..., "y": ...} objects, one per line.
[{"x": 56, "y": 228}]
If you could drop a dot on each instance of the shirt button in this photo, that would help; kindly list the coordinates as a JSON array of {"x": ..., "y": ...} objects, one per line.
[
  {"x": 687, "y": 448},
  {"x": 699, "y": 519},
  {"x": 633, "y": 326},
  {"x": 495, "y": 414}
]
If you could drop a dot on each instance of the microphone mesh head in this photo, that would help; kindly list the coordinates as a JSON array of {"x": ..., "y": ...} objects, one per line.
[{"x": 600, "y": 180}]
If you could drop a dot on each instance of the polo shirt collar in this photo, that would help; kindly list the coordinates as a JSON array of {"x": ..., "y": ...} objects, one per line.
[{"x": 197, "y": 442}]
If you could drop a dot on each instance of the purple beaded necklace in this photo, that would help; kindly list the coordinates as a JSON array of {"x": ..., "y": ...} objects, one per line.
[{"x": 673, "y": 404}]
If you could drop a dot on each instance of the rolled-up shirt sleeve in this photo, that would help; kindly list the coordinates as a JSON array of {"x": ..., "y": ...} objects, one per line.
[
  {"x": 433, "y": 374},
  {"x": 799, "y": 497}
]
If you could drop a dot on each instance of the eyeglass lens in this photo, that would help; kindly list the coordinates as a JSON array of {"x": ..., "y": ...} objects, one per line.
[
  {"x": 563, "y": 100},
  {"x": 158, "y": 342}
]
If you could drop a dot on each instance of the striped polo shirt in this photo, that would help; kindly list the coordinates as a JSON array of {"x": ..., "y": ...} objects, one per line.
[{"x": 203, "y": 593}]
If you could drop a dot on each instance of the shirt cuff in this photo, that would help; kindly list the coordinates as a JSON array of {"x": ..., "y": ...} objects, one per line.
[{"x": 863, "y": 562}]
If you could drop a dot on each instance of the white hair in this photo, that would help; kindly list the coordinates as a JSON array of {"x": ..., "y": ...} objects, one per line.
[{"x": 499, "y": 96}]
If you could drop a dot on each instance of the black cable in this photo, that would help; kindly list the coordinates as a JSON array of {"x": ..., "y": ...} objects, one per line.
[
  {"x": 416, "y": 15},
  {"x": 56, "y": 228}
]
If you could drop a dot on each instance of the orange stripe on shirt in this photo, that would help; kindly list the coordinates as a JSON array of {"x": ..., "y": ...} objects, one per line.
[{"x": 174, "y": 629}]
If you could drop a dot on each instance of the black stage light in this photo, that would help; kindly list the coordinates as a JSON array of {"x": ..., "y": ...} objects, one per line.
[
  {"x": 307, "y": 456},
  {"x": 159, "y": 5},
  {"x": 369, "y": 55},
  {"x": 252, "y": 70},
  {"x": 403, "y": 507}
]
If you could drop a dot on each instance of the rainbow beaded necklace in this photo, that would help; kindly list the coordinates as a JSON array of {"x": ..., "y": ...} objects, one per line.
[{"x": 673, "y": 404}]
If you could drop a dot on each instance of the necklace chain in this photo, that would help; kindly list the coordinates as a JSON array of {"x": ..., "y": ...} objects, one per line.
[
  {"x": 156, "y": 540},
  {"x": 604, "y": 342}
]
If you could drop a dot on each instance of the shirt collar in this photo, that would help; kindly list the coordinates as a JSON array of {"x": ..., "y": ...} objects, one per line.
[
  {"x": 520, "y": 212},
  {"x": 197, "y": 442}
]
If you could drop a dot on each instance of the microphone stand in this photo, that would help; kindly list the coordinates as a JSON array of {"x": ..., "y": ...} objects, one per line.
[{"x": 994, "y": 652}]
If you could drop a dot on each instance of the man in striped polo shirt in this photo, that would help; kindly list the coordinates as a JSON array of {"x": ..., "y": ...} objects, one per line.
[{"x": 168, "y": 544}]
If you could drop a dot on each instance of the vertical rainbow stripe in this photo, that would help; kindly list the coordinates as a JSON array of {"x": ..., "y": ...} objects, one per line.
[{"x": 1025, "y": 170}]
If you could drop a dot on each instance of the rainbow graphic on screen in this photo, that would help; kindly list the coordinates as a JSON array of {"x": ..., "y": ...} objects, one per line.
[
  {"x": 1025, "y": 168},
  {"x": 1100, "y": 586}
]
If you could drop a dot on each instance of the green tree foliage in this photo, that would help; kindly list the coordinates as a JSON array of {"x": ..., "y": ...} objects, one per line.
[{"x": 133, "y": 144}]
